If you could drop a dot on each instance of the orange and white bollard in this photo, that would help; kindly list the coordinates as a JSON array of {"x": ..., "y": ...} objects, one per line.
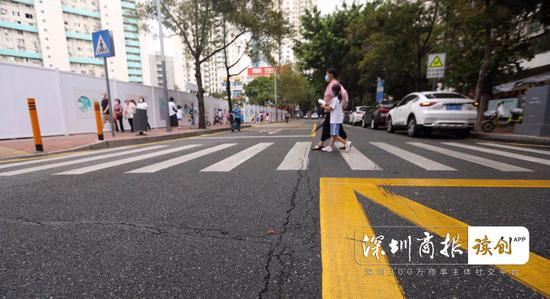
[
  {"x": 35, "y": 125},
  {"x": 98, "y": 121}
]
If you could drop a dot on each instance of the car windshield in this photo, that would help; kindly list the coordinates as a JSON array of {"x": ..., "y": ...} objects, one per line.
[
  {"x": 386, "y": 104},
  {"x": 444, "y": 96},
  {"x": 363, "y": 108}
]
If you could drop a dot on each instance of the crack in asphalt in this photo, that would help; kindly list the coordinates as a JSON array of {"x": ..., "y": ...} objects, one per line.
[
  {"x": 155, "y": 230},
  {"x": 281, "y": 252}
]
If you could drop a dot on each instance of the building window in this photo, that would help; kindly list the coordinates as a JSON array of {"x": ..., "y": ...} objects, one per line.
[{"x": 28, "y": 16}]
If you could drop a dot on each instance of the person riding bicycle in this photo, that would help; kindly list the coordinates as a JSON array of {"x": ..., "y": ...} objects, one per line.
[{"x": 237, "y": 118}]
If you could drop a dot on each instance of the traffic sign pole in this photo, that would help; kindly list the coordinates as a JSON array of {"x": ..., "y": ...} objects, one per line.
[
  {"x": 109, "y": 96},
  {"x": 104, "y": 47}
]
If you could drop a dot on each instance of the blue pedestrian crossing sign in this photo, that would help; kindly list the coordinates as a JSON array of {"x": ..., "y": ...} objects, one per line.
[{"x": 103, "y": 44}]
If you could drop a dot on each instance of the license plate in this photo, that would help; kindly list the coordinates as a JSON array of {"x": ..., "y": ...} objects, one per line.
[{"x": 453, "y": 106}]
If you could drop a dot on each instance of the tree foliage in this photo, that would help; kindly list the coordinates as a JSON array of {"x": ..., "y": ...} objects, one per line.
[
  {"x": 260, "y": 90},
  {"x": 391, "y": 40}
]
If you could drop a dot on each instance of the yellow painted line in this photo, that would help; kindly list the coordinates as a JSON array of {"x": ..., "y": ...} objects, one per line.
[
  {"x": 443, "y": 182},
  {"x": 535, "y": 274},
  {"x": 341, "y": 215}
]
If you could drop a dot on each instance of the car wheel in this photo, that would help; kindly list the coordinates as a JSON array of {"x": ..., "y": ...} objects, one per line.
[
  {"x": 462, "y": 133},
  {"x": 372, "y": 124},
  {"x": 389, "y": 125},
  {"x": 412, "y": 127}
]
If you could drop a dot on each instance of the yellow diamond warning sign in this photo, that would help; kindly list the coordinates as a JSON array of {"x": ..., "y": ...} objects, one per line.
[{"x": 436, "y": 62}]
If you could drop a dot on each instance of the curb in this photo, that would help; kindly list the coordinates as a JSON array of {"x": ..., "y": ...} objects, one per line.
[
  {"x": 524, "y": 139},
  {"x": 124, "y": 142}
]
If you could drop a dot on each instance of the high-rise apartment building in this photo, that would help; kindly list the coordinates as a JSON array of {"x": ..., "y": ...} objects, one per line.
[
  {"x": 155, "y": 67},
  {"x": 292, "y": 10},
  {"x": 57, "y": 34}
]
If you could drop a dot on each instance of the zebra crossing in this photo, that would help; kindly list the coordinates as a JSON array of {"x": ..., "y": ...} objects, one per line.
[{"x": 296, "y": 158}]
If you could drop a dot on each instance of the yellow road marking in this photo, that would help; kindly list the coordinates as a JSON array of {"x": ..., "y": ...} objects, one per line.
[
  {"x": 535, "y": 274},
  {"x": 341, "y": 215}
]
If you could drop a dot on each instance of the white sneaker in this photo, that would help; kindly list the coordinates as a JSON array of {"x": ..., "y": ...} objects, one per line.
[
  {"x": 327, "y": 149},
  {"x": 348, "y": 146}
]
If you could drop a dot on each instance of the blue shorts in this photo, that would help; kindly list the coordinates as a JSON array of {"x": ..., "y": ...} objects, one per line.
[{"x": 334, "y": 129}]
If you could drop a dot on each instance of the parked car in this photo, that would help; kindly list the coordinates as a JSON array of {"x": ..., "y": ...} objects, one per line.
[
  {"x": 314, "y": 115},
  {"x": 356, "y": 116},
  {"x": 427, "y": 111},
  {"x": 375, "y": 117}
]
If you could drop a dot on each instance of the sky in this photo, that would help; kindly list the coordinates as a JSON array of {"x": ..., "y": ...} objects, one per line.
[{"x": 328, "y": 6}]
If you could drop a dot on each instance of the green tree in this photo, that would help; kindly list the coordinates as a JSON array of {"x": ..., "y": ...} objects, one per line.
[
  {"x": 260, "y": 91},
  {"x": 487, "y": 39},
  {"x": 295, "y": 89},
  {"x": 195, "y": 21}
]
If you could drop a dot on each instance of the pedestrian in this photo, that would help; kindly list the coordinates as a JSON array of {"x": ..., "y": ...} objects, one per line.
[
  {"x": 119, "y": 115},
  {"x": 267, "y": 116},
  {"x": 237, "y": 118},
  {"x": 287, "y": 116},
  {"x": 106, "y": 109},
  {"x": 331, "y": 78},
  {"x": 172, "y": 112},
  {"x": 179, "y": 115},
  {"x": 130, "y": 112},
  {"x": 220, "y": 117},
  {"x": 336, "y": 119},
  {"x": 141, "y": 122}
]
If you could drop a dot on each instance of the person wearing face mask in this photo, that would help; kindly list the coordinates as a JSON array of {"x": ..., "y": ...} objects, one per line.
[{"x": 331, "y": 78}]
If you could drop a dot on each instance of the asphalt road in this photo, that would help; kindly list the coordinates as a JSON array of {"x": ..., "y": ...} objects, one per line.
[{"x": 232, "y": 215}]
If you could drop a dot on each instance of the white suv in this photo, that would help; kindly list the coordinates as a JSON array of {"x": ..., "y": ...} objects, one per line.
[
  {"x": 426, "y": 111},
  {"x": 356, "y": 116}
]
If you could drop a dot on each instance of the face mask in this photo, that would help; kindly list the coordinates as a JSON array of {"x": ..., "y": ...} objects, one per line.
[{"x": 326, "y": 77}]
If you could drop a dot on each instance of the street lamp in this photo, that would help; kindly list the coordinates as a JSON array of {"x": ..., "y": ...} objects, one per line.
[{"x": 163, "y": 67}]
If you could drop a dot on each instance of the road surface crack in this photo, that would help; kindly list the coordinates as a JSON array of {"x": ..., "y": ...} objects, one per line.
[
  {"x": 155, "y": 230},
  {"x": 280, "y": 252}
]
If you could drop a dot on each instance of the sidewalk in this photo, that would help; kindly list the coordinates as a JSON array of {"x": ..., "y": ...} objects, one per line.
[
  {"x": 19, "y": 148},
  {"x": 508, "y": 136}
]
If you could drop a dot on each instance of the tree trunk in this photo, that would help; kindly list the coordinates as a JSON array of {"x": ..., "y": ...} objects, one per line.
[
  {"x": 418, "y": 71},
  {"x": 228, "y": 89},
  {"x": 482, "y": 76},
  {"x": 200, "y": 94}
]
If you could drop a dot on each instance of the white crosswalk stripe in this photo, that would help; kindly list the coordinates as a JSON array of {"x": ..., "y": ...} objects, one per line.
[
  {"x": 524, "y": 149},
  {"x": 179, "y": 160},
  {"x": 500, "y": 153},
  {"x": 357, "y": 161},
  {"x": 470, "y": 158},
  {"x": 72, "y": 155},
  {"x": 126, "y": 161},
  {"x": 297, "y": 158},
  {"x": 237, "y": 159},
  {"x": 77, "y": 161},
  {"x": 413, "y": 158},
  {"x": 274, "y": 132}
]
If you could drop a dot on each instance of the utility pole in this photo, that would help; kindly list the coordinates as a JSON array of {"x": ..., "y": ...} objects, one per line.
[{"x": 163, "y": 67}]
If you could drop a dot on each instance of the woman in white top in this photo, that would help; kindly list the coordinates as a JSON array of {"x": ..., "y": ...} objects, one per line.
[
  {"x": 129, "y": 112},
  {"x": 142, "y": 122}
]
